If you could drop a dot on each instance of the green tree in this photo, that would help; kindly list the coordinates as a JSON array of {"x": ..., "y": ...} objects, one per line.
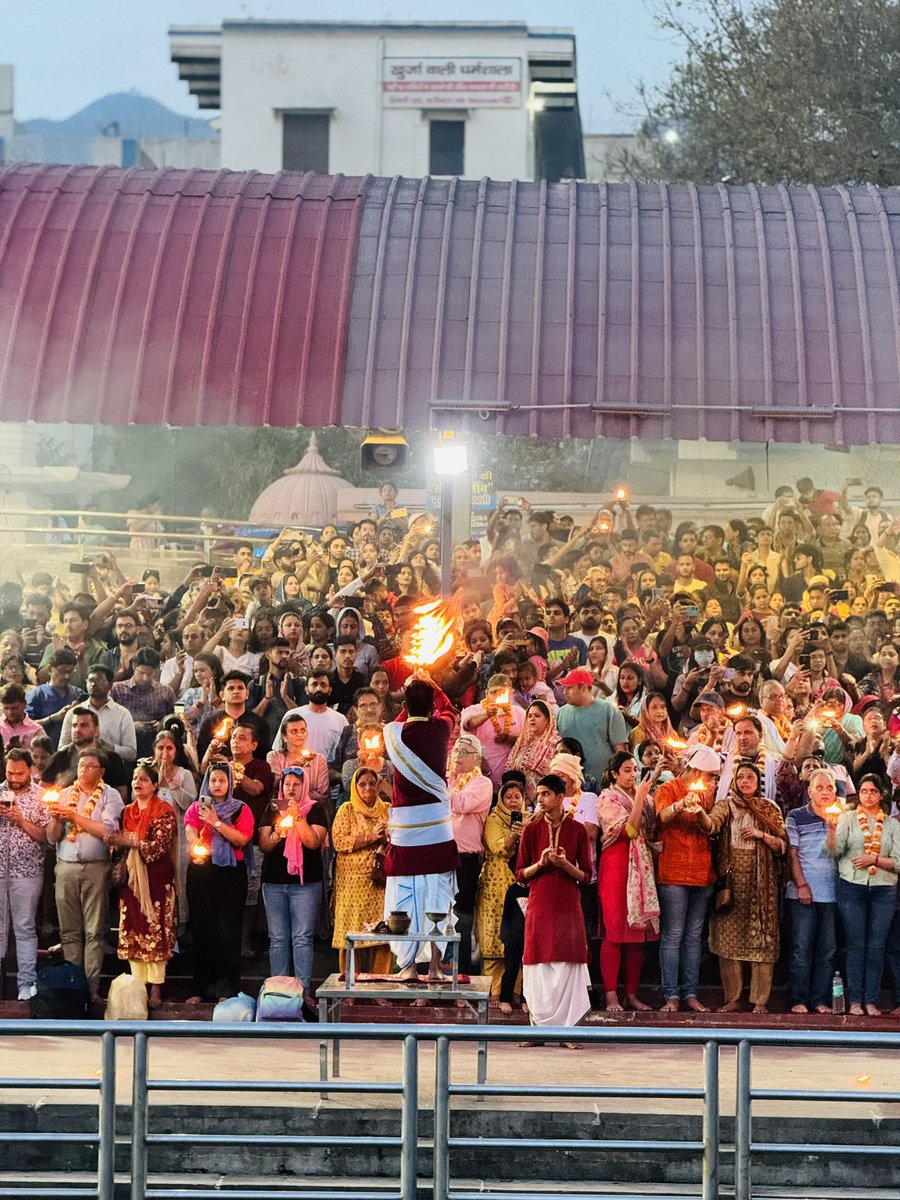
[{"x": 770, "y": 91}]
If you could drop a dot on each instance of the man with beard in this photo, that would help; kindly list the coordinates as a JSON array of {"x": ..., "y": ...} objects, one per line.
[
  {"x": 724, "y": 590},
  {"x": 85, "y": 732},
  {"x": 23, "y": 836},
  {"x": 346, "y": 680},
  {"x": 85, "y": 648},
  {"x": 146, "y": 699},
  {"x": 277, "y": 691},
  {"x": 845, "y": 662},
  {"x": 324, "y": 725},
  {"x": 120, "y": 659},
  {"x": 740, "y": 689},
  {"x": 589, "y": 614},
  {"x": 116, "y": 722}
]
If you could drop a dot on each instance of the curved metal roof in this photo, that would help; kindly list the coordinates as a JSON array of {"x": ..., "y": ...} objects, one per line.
[
  {"x": 551, "y": 309},
  {"x": 179, "y": 297}
]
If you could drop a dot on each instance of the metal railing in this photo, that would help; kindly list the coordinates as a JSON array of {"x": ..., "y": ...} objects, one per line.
[{"x": 410, "y": 1143}]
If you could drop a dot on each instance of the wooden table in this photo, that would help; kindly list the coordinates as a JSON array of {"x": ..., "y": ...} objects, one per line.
[{"x": 334, "y": 991}]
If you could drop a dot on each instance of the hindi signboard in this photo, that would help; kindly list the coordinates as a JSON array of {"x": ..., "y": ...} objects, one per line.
[{"x": 455, "y": 82}]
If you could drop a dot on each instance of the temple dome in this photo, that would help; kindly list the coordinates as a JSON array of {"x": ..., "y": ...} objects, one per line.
[{"x": 306, "y": 494}]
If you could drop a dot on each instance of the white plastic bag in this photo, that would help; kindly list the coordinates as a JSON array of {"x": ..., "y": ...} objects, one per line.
[{"x": 127, "y": 999}]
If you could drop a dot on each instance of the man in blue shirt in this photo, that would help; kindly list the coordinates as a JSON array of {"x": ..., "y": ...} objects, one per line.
[
  {"x": 48, "y": 703},
  {"x": 595, "y": 723},
  {"x": 561, "y": 642},
  {"x": 812, "y": 899}
]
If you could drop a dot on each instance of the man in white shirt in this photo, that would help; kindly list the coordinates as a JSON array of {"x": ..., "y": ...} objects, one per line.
[
  {"x": 116, "y": 722},
  {"x": 84, "y": 814},
  {"x": 324, "y": 725}
]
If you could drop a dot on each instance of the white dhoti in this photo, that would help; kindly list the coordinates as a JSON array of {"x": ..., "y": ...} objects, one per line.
[
  {"x": 418, "y": 895},
  {"x": 556, "y": 992}
]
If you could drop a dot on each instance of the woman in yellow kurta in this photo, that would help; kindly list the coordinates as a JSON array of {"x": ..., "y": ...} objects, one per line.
[
  {"x": 501, "y": 845},
  {"x": 359, "y": 830}
]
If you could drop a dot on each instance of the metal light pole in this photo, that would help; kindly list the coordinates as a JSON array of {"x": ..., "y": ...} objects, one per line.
[{"x": 450, "y": 458}]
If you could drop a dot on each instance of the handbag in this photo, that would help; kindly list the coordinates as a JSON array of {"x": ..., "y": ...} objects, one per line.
[
  {"x": 120, "y": 870},
  {"x": 725, "y": 893},
  {"x": 378, "y": 876}
]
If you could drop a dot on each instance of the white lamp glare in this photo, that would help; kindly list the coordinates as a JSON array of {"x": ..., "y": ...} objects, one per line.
[{"x": 450, "y": 459}]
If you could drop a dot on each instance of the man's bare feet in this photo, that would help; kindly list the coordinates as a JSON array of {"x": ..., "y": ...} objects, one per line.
[
  {"x": 420, "y": 1003},
  {"x": 855, "y": 1010},
  {"x": 612, "y": 1002},
  {"x": 505, "y": 1007},
  {"x": 671, "y": 1005},
  {"x": 760, "y": 1008},
  {"x": 406, "y": 975},
  {"x": 823, "y": 1009},
  {"x": 527, "y": 1045},
  {"x": 731, "y": 1006},
  {"x": 799, "y": 1008},
  {"x": 194, "y": 1001},
  {"x": 694, "y": 1005},
  {"x": 155, "y": 999},
  {"x": 636, "y": 1004},
  {"x": 872, "y": 1010},
  {"x": 570, "y": 1045}
]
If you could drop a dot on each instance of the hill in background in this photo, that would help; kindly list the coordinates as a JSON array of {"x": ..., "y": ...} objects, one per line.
[{"x": 124, "y": 114}]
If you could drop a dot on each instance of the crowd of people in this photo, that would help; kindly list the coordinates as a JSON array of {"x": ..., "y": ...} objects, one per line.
[{"x": 645, "y": 732}]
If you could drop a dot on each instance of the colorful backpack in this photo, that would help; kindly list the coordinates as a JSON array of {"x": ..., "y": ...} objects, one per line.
[{"x": 280, "y": 999}]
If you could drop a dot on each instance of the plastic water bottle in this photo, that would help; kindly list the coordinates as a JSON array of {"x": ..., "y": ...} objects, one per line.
[{"x": 837, "y": 994}]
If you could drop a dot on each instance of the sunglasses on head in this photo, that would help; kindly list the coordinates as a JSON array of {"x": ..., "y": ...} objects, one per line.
[{"x": 298, "y": 771}]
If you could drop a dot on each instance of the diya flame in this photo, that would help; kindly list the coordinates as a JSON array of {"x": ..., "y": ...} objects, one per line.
[{"x": 432, "y": 635}]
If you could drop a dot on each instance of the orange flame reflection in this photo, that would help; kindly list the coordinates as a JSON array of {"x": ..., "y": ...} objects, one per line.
[
  {"x": 286, "y": 822},
  {"x": 675, "y": 743},
  {"x": 223, "y": 729},
  {"x": 373, "y": 743},
  {"x": 502, "y": 699},
  {"x": 50, "y": 798},
  {"x": 432, "y": 634},
  {"x": 735, "y": 711},
  {"x": 199, "y": 851},
  {"x": 697, "y": 786}
]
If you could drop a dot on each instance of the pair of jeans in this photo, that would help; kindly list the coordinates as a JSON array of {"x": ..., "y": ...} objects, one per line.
[
  {"x": 683, "y": 910},
  {"x": 892, "y": 955},
  {"x": 867, "y": 911},
  {"x": 22, "y": 896},
  {"x": 292, "y": 910},
  {"x": 813, "y": 944}
]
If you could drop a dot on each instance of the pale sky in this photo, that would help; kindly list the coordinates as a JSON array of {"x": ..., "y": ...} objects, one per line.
[{"x": 69, "y": 52}]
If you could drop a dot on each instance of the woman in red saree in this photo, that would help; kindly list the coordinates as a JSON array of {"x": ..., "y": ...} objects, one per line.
[{"x": 147, "y": 901}]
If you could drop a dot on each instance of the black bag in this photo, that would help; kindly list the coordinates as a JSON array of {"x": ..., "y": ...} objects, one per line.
[
  {"x": 724, "y": 901},
  {"x": 62, "y": 993}
]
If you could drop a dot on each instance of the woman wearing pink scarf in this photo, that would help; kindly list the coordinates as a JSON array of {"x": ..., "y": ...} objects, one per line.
[{"x": 292, "y": 831}]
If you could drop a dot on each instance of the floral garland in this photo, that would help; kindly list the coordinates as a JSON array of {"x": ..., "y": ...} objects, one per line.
[
  {"x": 502, "y": 725},
  {"x": 572, "y": 801},
  {"x": 89, "y": 806},
  {"x": 872, "y": 829},
  {"x": 462, "y": 781}
]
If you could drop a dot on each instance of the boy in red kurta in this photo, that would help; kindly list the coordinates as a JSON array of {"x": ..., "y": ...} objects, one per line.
[{"x": 554, "y": 858}]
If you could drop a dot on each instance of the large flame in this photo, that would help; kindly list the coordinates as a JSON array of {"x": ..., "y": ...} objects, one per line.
[{"x": 432, "y": 635}]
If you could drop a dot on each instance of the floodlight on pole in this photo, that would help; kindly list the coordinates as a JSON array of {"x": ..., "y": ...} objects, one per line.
[{"x": 449, "y": 460}]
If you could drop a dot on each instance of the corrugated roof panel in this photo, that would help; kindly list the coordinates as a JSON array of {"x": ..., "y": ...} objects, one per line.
[
  {"x": 622, "y": 310},
  {"x": 187, "y": 297},
  {"x": 653, "y": 310}
]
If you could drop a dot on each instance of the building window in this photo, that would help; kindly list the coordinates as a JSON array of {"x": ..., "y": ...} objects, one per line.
[
  {"x": 446, "y": 148},
  {"x": 304, "y": 142}
]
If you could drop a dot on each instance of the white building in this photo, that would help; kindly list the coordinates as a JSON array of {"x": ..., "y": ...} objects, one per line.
[
  {"x": 389, "y": 98},
  {"x": 613, "y": 157}
]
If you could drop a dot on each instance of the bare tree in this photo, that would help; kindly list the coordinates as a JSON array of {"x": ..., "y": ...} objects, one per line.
[{"x": 769, "y": 91}]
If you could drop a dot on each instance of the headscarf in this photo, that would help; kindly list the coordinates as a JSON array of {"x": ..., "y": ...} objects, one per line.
[
  {"x": 380, "y": 810},
  {"x": 293, "y": 847},
  {"x": 222, "y": 851},
  {"x": 763, "y": 812},
  {"x": 532, "y": 755},
  {"x": 648, "y": 731},
  {"x": 138, "y": 820}
]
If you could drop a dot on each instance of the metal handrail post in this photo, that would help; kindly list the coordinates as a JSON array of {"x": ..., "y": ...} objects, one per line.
[
  {"x": 441, "y": 1164},
  {"x": 742, "y": 1125},
  {"x": 139, "y": 1115},
  {"x": 409, "y": 1120},
  {"x": 106, "y": 1150},
  {"x": 710, "y": 1176}
]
